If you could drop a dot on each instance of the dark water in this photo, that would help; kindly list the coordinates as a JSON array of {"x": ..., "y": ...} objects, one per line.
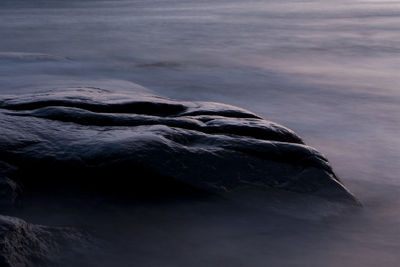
[{"x": 326, "y": 69}]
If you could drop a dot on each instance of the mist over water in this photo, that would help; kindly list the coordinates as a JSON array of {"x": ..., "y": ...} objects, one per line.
[{"x": 326, "y": 69}]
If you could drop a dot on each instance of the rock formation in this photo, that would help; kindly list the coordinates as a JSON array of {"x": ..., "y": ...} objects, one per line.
[{"x": 138, "y": 144}]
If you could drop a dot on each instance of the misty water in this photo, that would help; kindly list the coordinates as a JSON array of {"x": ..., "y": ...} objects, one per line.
[{"x": 326, "y": 69}]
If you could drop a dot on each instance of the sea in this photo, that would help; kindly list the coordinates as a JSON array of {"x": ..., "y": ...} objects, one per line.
[{"x": 329, "y": 70}]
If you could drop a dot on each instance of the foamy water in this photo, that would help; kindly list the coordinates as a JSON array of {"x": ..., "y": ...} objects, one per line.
[{"x": 326, "y": 69}]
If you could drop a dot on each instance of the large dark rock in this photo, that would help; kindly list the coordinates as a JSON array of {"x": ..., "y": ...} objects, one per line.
[
  {"x": 144, "y": 144},
  {"x": 138, "y": 145}
]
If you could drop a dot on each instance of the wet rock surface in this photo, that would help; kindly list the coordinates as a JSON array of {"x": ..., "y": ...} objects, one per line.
[
  {"x": 147, "y": 146},
  {"x": 24, "y": 244}
]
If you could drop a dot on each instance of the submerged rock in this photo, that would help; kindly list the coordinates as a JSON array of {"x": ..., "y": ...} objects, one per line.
[
  {"x": 145, "y": 144},
  {"x": 23, "y": 244}
]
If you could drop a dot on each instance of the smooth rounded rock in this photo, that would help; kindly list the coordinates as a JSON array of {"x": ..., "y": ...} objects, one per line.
[{"x": 151, "y": 145}]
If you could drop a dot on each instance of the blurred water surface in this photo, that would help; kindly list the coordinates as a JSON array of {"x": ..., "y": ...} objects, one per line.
[{"x": 326, "y": 69}]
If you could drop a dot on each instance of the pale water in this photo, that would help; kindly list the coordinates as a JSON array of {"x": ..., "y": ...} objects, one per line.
[{"x": 327, "y": 69}]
